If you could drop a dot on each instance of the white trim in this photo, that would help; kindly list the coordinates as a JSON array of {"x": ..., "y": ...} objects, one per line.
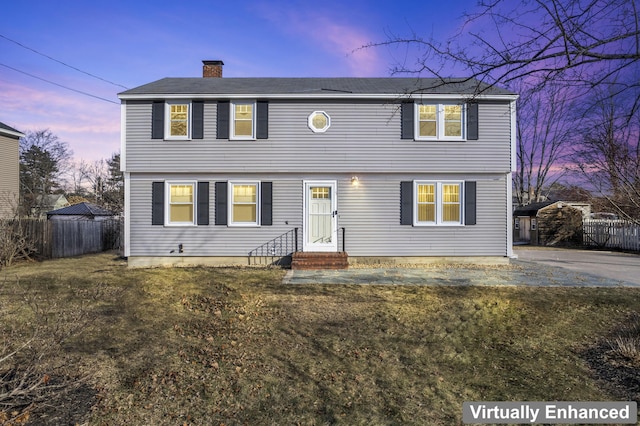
[
  {"x": 230, "y": 185},
  {"x": 232, "y": 121},
  {"x": 123, "y": 136},
  {"x": 514, "y": 131},
  {"x": 127, "y": 214},
  {"x": 509, "y": 208},
  {"x": 8, "y": 132},
  {"x": 167, "y": 202},
  {"x": 325, "y": 247},
  {"x": 440, "y": 122},
  {"x": 438, "y": 202},
  {"x": 333, "y": 95},
  {"x": 167, "y": 119},
  {"x": 315, "y": 129}
]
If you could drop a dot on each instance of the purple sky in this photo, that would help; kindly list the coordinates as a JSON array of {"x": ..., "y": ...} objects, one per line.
[{"x": 131, "y": 43}]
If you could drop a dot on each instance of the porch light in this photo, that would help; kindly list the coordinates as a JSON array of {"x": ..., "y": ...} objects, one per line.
[{"x": 355, "y": 181}]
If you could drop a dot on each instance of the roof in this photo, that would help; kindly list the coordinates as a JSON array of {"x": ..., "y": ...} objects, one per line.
[
  {"x": 9, "y": 131},
  {"x": 314, "y": 87},
  {"x": 531, "y": 209},
  {"x": 81, "y": 209}
]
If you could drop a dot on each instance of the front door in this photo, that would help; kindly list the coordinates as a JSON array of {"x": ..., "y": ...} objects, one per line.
[{"x": 320, "y": 216}]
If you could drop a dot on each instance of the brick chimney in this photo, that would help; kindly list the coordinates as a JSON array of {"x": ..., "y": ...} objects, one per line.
[{"x": 212, "y": 69}]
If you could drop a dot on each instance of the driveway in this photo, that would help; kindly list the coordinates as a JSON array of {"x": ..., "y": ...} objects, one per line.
[
  {"x": 606, "y": 264},
  {"x": 535, "y": 267}
]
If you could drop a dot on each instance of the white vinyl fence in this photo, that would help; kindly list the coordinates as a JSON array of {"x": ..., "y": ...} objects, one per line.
[{"x": 620, "y": 234}]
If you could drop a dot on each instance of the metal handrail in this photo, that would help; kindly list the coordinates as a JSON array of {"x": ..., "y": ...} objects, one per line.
[{"x": 280, "y": 246}]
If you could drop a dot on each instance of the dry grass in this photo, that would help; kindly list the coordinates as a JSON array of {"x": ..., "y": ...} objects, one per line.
[{"x": 204, "y": 346}]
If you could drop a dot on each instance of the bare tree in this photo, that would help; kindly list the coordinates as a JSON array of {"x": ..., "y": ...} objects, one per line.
[
  {"x": 577, "y": 43},
  {"x": 609, "y": 156},
  {"x": 543, "y": 136},
  {"x": 44, "y": 159}
]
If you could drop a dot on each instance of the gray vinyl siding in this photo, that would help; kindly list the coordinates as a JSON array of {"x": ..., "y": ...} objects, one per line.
[
  {"x": 363, "y": 137},
  {"x": 370, "y": 214},
  {"x": 9, "y": 176}
]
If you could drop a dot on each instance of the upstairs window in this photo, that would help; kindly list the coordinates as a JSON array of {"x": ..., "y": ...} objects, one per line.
[
  {"x": 178, "y": 122},
  {"x": 440, "y": 121},
  {"x": 243, "y": 123}
]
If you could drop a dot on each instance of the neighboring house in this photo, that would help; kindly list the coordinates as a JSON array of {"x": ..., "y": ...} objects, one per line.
[
  {"x": 46, "y": 203},
  {"x": 390, "y": 169},
  {"x": 9, "y": 170},
  {"x": 550, "y": 222},
  {"x": 80, "y": 211}
]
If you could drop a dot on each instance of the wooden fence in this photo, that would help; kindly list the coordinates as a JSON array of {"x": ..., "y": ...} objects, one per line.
[
  {"x": 620, "y": 234},
  {"x": 64, "y": 238}
]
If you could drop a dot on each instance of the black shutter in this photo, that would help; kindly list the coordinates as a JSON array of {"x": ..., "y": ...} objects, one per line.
[
  {"x": 197, "y": 120},
  {"x": 262, "y": 120},
  {"x": 203, "y": 203},
  {"x": 157, "y": 120},
  {"x": 472, "y": 121},
  {"x": 222, "y": 121},
  {"x": 406, "y": 203},
  {"x": 469, "y": 203},
  {"x": 157, "y": 203},
  {"x": 407, "y": 120},
  {"x": 266, "y": 203},
  {"x": 221, "y": 203}
]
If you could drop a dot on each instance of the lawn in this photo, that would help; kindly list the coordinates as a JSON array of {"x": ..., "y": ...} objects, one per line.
[{"x": 109, "y": 345}]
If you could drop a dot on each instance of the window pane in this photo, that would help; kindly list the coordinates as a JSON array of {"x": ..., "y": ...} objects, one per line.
[
  {"x": 320, "y": 192},
  {"x": 179, "y": 112},
  {"x": 426, "y": 193},
  {"x": 451, "y": 213},
  {"x": 244, "y": 112},
  {"x": 451, "y": 193},
  {"x": 427, "y": 128},
  {"x": 244, "y": 128},
  {"x": 453, "y": 129},
  {"x": 244, "y": 213},
  {"x": 244, "y": 193},
  {"x": 426, "y": 212},
  {"x": 452, "y": 112},
  {"x": 181, "y": 213},
  {"x": 427, "y": 112},
  {"x": 181, "y": 193},
  {"x": 178, "y": 128},
  {"x": 451, "y": 203},
  {"x": 452, "y": 120}
]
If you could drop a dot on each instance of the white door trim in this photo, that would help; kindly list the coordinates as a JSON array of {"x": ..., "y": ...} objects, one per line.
[{"x": 324, "y": 246}]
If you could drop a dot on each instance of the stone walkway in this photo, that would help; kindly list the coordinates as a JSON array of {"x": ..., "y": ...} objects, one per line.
[{"x": 519, "y": 273}]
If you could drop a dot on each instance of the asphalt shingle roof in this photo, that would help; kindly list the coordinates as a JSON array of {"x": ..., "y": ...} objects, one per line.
[
  {"x": 81, "y": 209},
  {"x": 300, "y": 86}
]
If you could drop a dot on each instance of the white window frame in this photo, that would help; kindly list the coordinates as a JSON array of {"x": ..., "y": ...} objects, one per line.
[
  {"x": 230, "y": 221},
  {"x": 440, "y": 122},
  {"x": 232, "y": 124},
  {"x": 167, "y": 120},
  {"x": 315, "y": 129},
  {"x": 167, "y": 202},
  {"x": 438, "y": 202}
]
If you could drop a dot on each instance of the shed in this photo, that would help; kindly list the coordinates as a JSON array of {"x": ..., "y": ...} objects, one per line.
[
  {"x": 550, "y": 222},
  {"x": 80, "y": 211}
]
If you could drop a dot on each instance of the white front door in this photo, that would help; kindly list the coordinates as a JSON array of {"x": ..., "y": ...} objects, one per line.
[{"x": 320, "y": 216}]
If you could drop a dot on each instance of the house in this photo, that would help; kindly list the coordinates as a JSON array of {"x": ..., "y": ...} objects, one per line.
[
  {"x": 9, "y": 170},
  {"x": 47, "y": 203},
  {"x": 80, "y": 211},
  {"x": 550, "y": 222},
  {"x": 381, "y": 169}
]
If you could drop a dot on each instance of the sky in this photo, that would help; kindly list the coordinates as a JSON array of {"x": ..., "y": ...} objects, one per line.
[{"x": 50, "y": 51}]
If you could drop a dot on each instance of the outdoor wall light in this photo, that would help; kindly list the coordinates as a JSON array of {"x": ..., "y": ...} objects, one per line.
[{"x": 355, "y": 181}]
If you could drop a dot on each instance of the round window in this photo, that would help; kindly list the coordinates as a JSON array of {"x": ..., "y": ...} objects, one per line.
[{"x": 319, "y": 121}]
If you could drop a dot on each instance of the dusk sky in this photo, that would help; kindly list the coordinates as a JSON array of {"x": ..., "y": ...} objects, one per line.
[{"x": 130, "y": 43}]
